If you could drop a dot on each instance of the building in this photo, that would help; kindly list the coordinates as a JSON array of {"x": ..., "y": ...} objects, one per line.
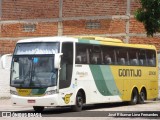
[{"x": 20, "y": 19}]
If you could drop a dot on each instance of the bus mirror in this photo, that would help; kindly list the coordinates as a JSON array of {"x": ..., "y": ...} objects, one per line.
[
  {"x": 6, "y": 61},
  {"x": 57, "y": 60}
]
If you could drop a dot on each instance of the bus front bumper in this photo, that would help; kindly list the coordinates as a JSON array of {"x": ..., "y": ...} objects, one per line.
[{"x": 50, "y": 100}]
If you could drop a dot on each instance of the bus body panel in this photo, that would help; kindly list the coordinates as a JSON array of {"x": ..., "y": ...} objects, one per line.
[
  {"x": 101, "y": 83},
  {"x": 51, "y": 100},
  {"x": 138, "y": 77}
]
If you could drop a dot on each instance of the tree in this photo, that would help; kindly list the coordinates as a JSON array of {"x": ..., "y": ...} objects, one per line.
[{"x": 149, "y": 15}]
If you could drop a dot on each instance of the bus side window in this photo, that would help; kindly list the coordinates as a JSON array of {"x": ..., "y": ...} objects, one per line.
[
  {"x": 142, "y": 57},
  {"x": 151, "y": 57},
  {"x": 108, "y": 55},
  {"x": 133, "y": 57},
  {"x": 107, "y": 59},
  {"x": 81, "y": 58},
  {"x": 95, "y": 58},
  {"x": 121, "y": 54},
  {"x": 95, "y": 55},
  {"x": 82, "y": 54}
]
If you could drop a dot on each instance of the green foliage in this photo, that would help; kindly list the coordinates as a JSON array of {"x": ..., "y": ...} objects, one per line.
[{"x": 149, "y": 15}]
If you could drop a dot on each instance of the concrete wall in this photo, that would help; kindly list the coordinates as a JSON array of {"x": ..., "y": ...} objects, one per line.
[{"x": 4, "y": 82}]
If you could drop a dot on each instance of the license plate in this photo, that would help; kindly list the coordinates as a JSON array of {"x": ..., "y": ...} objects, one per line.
[{"x": 31, "y": 101}]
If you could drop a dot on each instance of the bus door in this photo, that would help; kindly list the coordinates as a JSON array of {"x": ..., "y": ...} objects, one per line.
[{"x": 65, "y": 75}]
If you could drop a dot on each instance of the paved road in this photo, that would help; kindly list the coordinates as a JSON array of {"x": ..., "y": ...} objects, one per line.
[{"x": 102, "y": 110}]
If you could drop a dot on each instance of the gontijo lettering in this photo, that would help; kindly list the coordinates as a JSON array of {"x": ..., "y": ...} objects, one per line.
[{"x": 130, "y": 72}]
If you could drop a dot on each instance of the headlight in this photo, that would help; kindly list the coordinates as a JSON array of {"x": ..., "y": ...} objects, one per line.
[
  {"x": 51, "y": 92},
  {"x": 13, "y": 92}
]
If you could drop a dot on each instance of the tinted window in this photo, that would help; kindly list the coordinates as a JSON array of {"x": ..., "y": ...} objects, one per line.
[
  {"x": 82, "y": 54},
  {"x": 133, "y": 56},
  {"x": 122, "y": 57},
  {"x": 151, "y": 57},
  {"x": 142, "y": 57},
  {"x": 108, "y": 55},
  {"x": 95, "y": 55}
]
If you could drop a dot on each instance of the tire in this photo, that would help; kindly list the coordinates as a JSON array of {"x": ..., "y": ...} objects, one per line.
[
  {"x": 79, "y": 103},
  {"x": 134, "y": 97},
  {"x": 38, "y": 109},
  {"x": 142, "y": 97}
]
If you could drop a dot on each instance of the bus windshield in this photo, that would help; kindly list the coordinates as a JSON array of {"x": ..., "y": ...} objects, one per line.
[
  {"x": 36, "y": 48},
  {"x": 33, "y": 65},
  {"x": 33, "y": 71}
]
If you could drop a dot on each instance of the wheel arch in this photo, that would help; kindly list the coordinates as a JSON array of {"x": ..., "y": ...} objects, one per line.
[
  {"x": 83, "y": 93},
  {"x": 145, "y": 90},
  {"x": 134, "y": 96},
  {"x": 134, "y": 87}
]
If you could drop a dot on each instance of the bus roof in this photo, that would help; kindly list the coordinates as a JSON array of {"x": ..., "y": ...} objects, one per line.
[
  {"x": 49, "y": 39},
  {"x": 87, "y": 39},
  {"x": 103, "y": 39},
  {"x": 111, "y": 42}
]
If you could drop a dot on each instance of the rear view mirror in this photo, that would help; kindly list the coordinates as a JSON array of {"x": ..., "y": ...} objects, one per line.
[
  {"x": 57, "y": 60},
  {"x": 6, "y": 61}
]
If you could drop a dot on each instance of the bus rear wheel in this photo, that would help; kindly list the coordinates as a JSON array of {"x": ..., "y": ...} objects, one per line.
[
  {"x": 134, "y": 97},
  {"x": 79, "y": 103},
  {"x": 142, "y": 96},
  {"x": 38, "y": 109}
]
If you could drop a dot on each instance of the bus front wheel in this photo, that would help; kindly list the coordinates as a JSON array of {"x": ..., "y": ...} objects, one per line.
[
  {"x": 79, "y": 103},
  {"x": 38, "y": 109},
  {"x": 134, "y": 97}
]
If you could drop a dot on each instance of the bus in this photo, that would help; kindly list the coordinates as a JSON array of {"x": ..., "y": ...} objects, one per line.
[{"x": 74, "y": 71}]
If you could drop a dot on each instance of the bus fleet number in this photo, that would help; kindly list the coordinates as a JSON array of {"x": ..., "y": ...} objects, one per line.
[{"x": 152, "y": 73}]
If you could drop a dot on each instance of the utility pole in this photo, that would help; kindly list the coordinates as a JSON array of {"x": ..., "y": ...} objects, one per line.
[
  {"x": 128, "y": 10},
  {"x": 60, "y": 22}
]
